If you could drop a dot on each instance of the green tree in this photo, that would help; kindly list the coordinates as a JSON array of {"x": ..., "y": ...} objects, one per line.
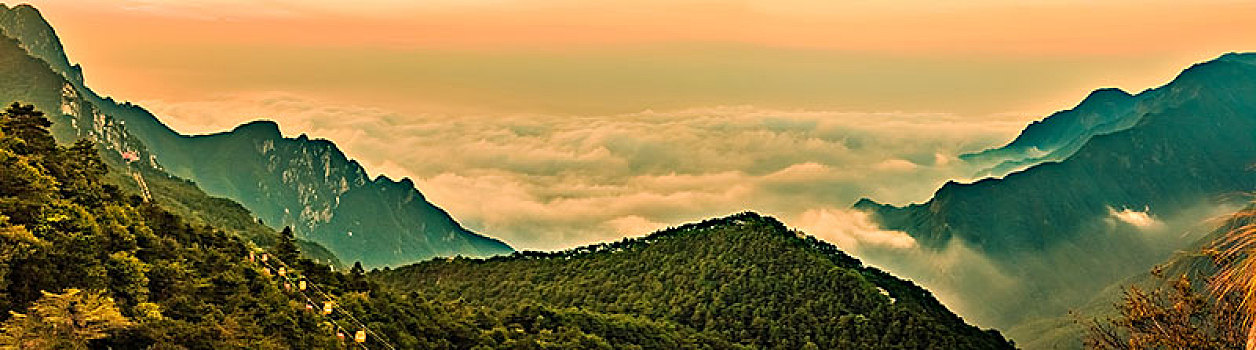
[
  {"x": 286, "y": 249},
  {"x": 29, "y": 125}
]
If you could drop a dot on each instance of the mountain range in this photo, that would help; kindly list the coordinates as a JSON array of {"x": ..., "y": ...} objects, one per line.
[
  {"x": 304, "y": 183},
  {"x": 1120, "y": 174}
]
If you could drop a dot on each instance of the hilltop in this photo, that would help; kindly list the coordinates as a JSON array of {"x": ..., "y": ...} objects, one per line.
[{"x": 745, "y": 278}]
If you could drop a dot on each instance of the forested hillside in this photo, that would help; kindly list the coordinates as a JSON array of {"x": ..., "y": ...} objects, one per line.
[
  {"x": 146, "y": 275},
  {"x": 745, "y": 278}
]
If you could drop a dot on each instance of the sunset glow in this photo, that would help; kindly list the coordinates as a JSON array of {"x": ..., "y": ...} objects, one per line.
[{"x": 974, "y": 57}]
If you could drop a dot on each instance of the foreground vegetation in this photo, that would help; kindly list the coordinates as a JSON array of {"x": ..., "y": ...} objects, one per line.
[{"x": 1201, "y": 300}]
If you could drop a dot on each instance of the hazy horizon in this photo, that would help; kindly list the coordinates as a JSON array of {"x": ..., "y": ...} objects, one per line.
[{"x": 554, "y": 123}]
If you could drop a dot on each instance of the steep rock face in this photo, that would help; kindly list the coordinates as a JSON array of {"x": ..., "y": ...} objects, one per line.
[
  {"x": 312, "y": 186},
  {"x": 30, "y": 80},
  {"x": 284, "y": 181},
  {"x": 1196, "y": 147}
]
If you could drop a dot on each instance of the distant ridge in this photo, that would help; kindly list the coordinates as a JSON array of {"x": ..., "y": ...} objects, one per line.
[{"x": 1062, "y": 133}]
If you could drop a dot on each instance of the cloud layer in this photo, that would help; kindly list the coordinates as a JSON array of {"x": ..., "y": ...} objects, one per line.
[
  {"x": 552, "y": 182},
  {"x": 547, "y": 182}
]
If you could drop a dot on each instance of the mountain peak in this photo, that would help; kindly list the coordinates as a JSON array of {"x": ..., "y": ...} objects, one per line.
[
  {"x": 1102, "y": 111},
  {"x": 763, "y": 225},
  {"x": 264, "y": 128},
  {"x": 742, "y": 218},
  {"x": 1242, "y": 57},
  {"x": 25, "y": 10},
  {"x": 866, "y": 203},
  {"x": 26, "y": 24},
  {"x": 737, "y": 257},
  {"x": 1106, "y": 95}
]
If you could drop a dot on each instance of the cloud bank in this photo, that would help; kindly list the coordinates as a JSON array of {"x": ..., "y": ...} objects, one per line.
[
  {"x": 1139, "y": 219},
  {"x": 553, "y": 182},
  {"x": 549, "y": 182},
  {"x": 851, "y": 229}
]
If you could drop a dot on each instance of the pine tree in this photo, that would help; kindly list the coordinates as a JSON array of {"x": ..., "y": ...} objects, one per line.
[
  {"x": 29, "y": 125},
  {"x": 357, "y": 277},
  {"x": 286, "y": 249}
]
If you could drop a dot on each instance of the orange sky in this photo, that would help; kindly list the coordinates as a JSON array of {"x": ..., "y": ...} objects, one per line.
[
  {"x": 566, "y": 56},
  {"x": 926, "y": 27}
]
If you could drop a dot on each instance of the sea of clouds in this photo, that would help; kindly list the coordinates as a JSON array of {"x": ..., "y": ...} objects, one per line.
[{"x": 549, "y": 182}]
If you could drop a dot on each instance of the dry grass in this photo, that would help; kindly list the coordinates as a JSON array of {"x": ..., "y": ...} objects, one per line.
[{"x": 1235, "y": 255}]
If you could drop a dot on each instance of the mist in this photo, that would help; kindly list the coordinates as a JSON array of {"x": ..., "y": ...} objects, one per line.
[
  {"x": 549, "y": 182},
  {"x": 1032, "y": 286}
]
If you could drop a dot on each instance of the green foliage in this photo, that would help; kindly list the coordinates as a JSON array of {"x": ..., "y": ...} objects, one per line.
[
  {"x": 63, "y": 321},
  {"x": 29, "y": 129},
  {"x": 63, "y": 228},
  {"x": 286, "y": 249},
  {"x": 184, "y": 199},
  {"x": 745, "y": 279}
]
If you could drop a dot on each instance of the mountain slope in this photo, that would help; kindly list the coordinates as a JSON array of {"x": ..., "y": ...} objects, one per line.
[
  {"x": 745, "y": 277},
  {"x": 183, "y": 198},
  {"x": 1174, "y": 157},
  {"x": 1071, "y": 227},
  {"x": 164, "y": 280},
  {"x": 307, "y": 184},
  {"x": 311, "y": 185}
]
